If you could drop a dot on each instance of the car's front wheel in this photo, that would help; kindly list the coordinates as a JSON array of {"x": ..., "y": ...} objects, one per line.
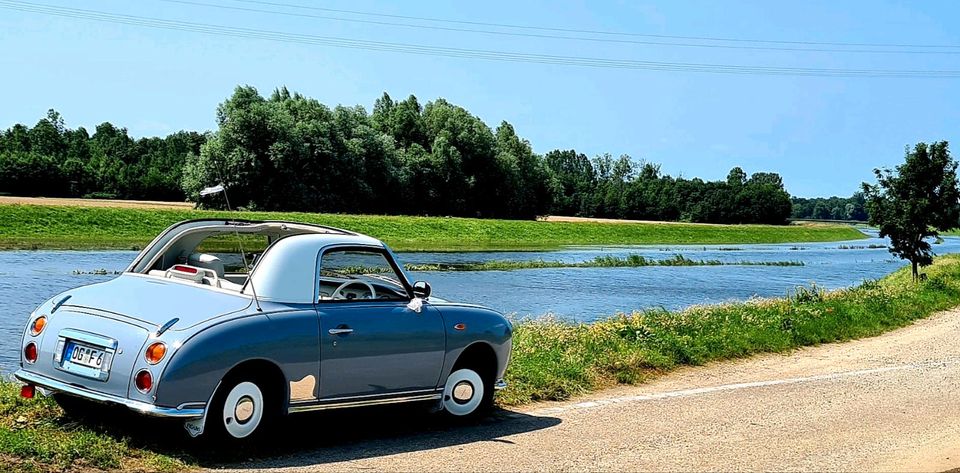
[
  {"x": 240, "y": 411},
  {"x": 466, "y": 393}
]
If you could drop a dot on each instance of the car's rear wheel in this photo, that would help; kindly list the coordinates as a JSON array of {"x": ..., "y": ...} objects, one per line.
[
  {"x": 466, "y": 393},
  {"x": 240, "y": 411}
]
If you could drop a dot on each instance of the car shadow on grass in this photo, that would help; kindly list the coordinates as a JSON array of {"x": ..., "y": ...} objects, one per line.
[{"x": 328, "y": 437}]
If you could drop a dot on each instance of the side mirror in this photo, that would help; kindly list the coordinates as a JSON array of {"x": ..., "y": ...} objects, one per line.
[{"x": 421, "y": 289}]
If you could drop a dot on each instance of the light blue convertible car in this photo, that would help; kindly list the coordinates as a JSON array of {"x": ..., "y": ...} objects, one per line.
[{"x": 230, "y": 324}]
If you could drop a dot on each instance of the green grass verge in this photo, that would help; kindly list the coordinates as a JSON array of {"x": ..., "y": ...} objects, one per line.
[
  {"x": 554, "y": 360},
  {"x": 36, "y": 436},
  {"x": 43, "y": 227}
]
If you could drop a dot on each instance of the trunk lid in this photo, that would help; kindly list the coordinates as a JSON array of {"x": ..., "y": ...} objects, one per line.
[{"x": 150, "y": 302}]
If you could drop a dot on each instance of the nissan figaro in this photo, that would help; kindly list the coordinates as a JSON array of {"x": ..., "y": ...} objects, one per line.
[{"x": 230, "y": 324}]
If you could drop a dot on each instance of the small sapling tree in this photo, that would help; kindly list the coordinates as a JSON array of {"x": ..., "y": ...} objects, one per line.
[{"x": 915, "y": 202}]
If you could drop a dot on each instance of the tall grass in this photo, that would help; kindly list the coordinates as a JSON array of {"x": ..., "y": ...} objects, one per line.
[
  {"x": 554, "y": 359},
  {"x": 42, "y": 227},
  {"x": 604, "y": 261}
]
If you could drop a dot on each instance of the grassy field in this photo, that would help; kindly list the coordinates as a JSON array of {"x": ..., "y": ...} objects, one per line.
[
  {"x": 552, "y": 360},
  {"x": 52, "y": 227}
]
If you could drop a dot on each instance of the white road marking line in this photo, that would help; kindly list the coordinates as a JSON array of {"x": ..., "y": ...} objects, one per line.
[{"x": 737, "y": 386}]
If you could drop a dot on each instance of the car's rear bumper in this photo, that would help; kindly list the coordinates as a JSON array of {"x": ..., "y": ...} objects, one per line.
[{"x": 54, "y": 385}]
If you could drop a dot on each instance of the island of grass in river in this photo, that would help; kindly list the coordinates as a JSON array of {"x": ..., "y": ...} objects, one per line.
[
  {"x": 605, "y": 261},
  {"x": 554, "y": 360},
  {"x": 49, "y": 227}
]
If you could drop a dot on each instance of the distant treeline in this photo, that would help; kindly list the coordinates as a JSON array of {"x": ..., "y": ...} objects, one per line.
[
  {"x": 830, "y": 208},
  {"x": 52, "y": 160},
  {"x": 290, "y": 152}
]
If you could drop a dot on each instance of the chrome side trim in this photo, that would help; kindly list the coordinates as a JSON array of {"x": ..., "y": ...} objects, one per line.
[
  {"x": 500, "y": 384},
  {"x": 363, "y": 402},
  {"x": 138, "y": 406},
  {"x": 380, "y": 395},
  {"x": 191, "y": 405}
]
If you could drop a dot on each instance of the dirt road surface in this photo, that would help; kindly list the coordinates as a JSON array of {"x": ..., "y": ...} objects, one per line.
[
  {"x": 890, "y": 403},
  {"x": 67, "y": 202}
]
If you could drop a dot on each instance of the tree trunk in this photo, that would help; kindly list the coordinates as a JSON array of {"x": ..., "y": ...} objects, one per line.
[{"x": 913, "y": 266}]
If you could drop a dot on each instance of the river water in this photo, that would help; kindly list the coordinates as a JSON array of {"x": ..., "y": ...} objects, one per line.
[{"x": 27, "y": 278}]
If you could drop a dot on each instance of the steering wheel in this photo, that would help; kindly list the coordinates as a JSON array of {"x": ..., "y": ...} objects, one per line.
[{"x": 337, "y": 293}]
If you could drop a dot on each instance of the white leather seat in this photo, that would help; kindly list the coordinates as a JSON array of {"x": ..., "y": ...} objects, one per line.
[{"x": 203, "y": 260}]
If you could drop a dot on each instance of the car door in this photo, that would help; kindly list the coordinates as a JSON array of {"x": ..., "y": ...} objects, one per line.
[{"x": 379, "y": 346}]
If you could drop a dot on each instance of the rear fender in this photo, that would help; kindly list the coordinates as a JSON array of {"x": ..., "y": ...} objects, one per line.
[{"x": 287, "y": 338}]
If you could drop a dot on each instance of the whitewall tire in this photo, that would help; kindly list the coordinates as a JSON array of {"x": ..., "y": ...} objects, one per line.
[
  {"x": 463, "y": 393},
  {"x": 242, "y": 410}
]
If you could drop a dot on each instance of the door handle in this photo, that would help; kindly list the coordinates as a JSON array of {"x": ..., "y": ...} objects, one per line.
[{"x": 340, "y": 331}]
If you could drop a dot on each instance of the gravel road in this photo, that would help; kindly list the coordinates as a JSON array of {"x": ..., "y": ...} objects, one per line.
[{"x": 888, "y": 403}]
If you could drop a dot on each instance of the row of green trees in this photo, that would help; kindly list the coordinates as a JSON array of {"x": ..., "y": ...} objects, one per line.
[
  {"x": 49, "y": 159},
  {"x": 291, "y": 152},
  {"x": 621, "y": 188},
  {"x": 830, "y": 208}
]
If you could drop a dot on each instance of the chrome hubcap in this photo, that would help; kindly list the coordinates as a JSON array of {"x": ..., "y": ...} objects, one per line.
[
  {"x": 463, "y": 391},
  {"x": 244, "y": 410}
]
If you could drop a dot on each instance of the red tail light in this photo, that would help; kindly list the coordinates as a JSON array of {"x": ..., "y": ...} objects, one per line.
[
  {"x": 27, "y": 391},
  {"x": 144, "y": 381},
  {"x": 30, "y": 352},
  {"x": 185, "y": 269}
]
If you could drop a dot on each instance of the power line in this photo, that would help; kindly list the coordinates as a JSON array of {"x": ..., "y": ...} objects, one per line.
[
  {"x": 436, "y": 51},
  {"x": 587, "y": 31},
  {"x": 553, "y": 36}
]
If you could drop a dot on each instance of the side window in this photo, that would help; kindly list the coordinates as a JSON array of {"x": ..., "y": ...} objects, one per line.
[{"x": 358, "y": 275}]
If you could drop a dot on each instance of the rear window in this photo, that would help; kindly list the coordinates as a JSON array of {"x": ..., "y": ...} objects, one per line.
[{"x": 227, "y": 247}]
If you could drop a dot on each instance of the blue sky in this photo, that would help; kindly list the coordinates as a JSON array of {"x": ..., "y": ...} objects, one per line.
[{"x": 823, "y": 134}]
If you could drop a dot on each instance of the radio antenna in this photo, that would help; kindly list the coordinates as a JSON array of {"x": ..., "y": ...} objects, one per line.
[{"x": 220, "y": 189}]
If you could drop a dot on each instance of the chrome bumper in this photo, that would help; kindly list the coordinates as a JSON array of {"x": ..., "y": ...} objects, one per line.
[{"x": 138, "y": 406}]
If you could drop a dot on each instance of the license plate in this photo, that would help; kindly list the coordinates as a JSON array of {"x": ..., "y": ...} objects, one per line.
[{"x": 84, "y": 355}]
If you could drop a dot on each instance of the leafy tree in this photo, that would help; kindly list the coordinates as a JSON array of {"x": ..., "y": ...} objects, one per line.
[
  {"x": 401, "y": 120},
  {"x": 736, "y": 177},
  {"x": 573, "y": 180},
  {"x": 526, "y": 187},
  {"x": 915, "y": 202}
]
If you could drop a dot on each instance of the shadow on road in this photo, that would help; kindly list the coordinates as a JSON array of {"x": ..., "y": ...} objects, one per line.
[{"x": 330, "y": 437}]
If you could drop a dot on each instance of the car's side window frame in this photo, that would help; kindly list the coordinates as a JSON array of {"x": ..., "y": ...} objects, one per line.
[{"x": 398, "y": 273}]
